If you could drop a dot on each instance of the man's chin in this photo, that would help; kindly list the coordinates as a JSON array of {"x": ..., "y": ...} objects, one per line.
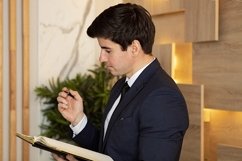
[
  {"x": 110, "y": 69},
  {"x": 113, "y": 73}
]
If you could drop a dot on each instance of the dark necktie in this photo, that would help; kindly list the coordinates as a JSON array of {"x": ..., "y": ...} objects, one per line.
[{"x": 124, "y": 89}]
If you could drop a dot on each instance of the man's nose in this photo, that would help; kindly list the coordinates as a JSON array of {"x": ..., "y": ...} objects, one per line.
[{"x": 102, "y": 57}]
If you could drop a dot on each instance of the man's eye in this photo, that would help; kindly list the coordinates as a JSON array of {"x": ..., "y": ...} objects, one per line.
[{"x": 108, "y": 51}]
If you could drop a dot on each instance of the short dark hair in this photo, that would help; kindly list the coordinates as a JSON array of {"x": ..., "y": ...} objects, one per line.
[{"x": 124, "y": 23}]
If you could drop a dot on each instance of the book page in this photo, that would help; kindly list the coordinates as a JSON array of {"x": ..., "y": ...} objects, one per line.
[
  {"x": 72, "y": 149},
  {"x": 29, "y": 139},
  {"x": 65, "y": 148}
]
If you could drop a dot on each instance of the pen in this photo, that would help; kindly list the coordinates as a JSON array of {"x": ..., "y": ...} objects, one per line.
[{"x": 69, "y": 94}]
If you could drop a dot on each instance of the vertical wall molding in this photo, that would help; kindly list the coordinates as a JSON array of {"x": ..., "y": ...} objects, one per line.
[
  {"x": 1, "y": 79},
  {"x": 25, "y": 107},
  {"x": 12, "y": 77}
]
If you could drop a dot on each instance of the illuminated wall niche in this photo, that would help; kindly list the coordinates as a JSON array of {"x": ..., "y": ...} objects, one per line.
[
  {"x": 176, "y": 59},
  {"x": 182, "y": 63},
  {"x": 223, "y": 135}
]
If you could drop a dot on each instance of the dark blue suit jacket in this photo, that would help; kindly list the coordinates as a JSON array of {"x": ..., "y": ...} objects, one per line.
[{"x": 149, "y": 124}]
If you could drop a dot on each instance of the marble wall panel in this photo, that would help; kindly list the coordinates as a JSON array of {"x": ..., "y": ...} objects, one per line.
[{"x": 64, "y": 47}]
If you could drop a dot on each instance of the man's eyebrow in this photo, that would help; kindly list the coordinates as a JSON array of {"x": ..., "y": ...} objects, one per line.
[{"x": 105, "y": 47}]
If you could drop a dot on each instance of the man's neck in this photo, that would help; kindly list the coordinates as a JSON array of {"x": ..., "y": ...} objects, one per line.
[{"x": 142, "y": 62}]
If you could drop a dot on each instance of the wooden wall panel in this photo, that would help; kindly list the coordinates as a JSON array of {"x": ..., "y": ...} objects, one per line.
[
  {"x": 12, "y": 77},
  {"x": 193, "y": 142},
  {"x": 163, "y": 7},
  {"x": 229, "y": 153},
  {"x": 170, "y": 28},
  {"x": 1, "y": 78},
  {"x": 25, "y": 110},
  {"x": 201, "y": 20},
  {"x": 168, "y": 17},
  {"x": 157, "y": 7},
  {"x": 164, "y": 54},
  {"x": 218, "y": 65}
]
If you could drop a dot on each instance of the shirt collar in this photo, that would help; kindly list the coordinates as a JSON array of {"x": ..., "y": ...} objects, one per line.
[{"x": 133, "y": 78}]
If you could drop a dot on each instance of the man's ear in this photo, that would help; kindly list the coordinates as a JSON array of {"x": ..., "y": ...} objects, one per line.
[{"x": 135, "y": 47}]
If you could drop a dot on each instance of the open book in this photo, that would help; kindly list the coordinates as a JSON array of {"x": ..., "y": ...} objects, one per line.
[{"x": 63, "y": 148}]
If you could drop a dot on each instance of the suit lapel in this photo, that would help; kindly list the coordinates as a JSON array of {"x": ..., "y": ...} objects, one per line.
[
  {"x": 113, "y": 96},
  {"x": 121, "y": 107}
]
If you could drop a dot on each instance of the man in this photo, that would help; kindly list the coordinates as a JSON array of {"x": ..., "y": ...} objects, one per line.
[{"x": 151, "y": 119}]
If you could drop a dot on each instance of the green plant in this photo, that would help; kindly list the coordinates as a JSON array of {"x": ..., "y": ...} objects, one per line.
[{"x": 94, "y": 87}]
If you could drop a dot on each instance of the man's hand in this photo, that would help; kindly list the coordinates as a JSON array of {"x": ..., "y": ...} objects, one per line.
[
  {"x": 67, "y": 158},
  {"x": 70, "y": 105}
]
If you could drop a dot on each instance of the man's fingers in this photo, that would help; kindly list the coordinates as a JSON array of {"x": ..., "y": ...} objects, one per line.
[
  {"x": 57, "y": 157},
  {"x": 71, "y": 158}
]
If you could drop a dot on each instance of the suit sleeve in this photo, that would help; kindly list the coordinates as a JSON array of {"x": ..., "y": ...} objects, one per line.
[
  {"x": 163, "y": 122},
  {"x": 88, "y": 137}
]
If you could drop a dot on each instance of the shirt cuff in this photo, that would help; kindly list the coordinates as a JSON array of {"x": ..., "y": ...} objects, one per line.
[{"x": 79, "y": 127}]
